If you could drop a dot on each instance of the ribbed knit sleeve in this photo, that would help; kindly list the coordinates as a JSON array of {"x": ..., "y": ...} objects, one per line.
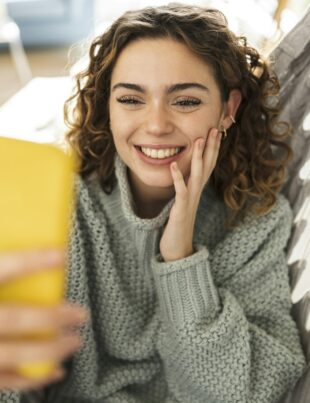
[{"x": 234, "y": 341}]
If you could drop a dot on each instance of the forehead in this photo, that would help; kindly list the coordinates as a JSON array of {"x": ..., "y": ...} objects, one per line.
[{"x": 160, "y": 60}]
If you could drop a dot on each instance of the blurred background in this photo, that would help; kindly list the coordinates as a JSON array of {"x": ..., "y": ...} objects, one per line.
[{"x": 42, "y": 44}]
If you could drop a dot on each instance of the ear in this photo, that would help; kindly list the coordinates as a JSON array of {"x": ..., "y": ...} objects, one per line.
[{"x": 231, "y": 107}]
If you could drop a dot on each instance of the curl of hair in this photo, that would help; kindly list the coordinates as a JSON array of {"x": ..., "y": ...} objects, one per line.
[{"x": 249, "y": 171}]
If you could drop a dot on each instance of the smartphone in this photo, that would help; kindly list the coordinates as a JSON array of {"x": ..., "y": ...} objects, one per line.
[{"x": 36, "y": 202}]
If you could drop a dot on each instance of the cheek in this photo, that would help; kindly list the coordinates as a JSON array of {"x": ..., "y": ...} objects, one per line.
[
  {"x": 119, "y": 138},
  {"x": 199, "y": 124},
  {"x": 122, "y": 125}
]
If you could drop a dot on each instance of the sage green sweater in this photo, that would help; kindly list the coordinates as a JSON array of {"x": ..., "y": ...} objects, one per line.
[{"x": 215, "y": 326}]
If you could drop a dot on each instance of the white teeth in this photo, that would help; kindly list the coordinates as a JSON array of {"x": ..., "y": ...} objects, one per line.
[{"x": 164, "y": 153}]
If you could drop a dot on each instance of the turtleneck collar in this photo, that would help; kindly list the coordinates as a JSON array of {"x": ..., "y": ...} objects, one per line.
[{"x": 127, "y": 202}]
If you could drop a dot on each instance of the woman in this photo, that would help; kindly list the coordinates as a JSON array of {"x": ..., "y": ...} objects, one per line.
[{"x": 179, "y": 235}]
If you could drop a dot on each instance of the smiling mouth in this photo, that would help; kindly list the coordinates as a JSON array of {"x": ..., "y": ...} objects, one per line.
[
  {"x": 181, "y": 148},
  {"x": 162, "y": 148},
  {"x": 160, "y": 161}
]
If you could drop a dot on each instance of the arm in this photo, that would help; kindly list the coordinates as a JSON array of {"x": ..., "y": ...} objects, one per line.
[{"x": 231, "y": 339}]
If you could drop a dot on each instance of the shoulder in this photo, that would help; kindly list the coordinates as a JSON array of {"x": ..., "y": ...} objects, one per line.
[
  {"x": 272, "y": 229},
  {"x": 254, "y": 243},
  {"x": 281, "y": 215},
  {"x": 213, "y": 215}
]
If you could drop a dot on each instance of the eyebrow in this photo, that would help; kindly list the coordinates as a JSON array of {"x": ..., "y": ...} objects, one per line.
[{"x": 169, "y": 90}]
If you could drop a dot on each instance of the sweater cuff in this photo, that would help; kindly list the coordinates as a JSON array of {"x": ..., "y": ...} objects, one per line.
[{"x": 185, "y": 288}]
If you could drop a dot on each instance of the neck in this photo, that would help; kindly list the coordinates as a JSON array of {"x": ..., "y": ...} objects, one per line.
[{"x": 148, "y": 200}]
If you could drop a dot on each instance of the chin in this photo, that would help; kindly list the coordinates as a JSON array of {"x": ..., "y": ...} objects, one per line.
[{"x": 157, "y": 182}]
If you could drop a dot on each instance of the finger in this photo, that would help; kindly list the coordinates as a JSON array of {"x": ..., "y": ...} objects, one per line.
[
  {"x": 179, "y": 184},
  {"x": 197, "y": 163},
  {"x": 13, "y": 353},
  {"x": 15, "y": 319},
  {"x": 218, "y": 146},
  {"x": 181, "y": 196},
  {"x": 13, "y": 264},
  {"x": 212, "y": 152},
  {"x": 14, "y": 381}
]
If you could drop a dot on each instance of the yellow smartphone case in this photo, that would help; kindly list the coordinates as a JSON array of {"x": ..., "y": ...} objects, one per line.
[{"x": 36, "y": 200}]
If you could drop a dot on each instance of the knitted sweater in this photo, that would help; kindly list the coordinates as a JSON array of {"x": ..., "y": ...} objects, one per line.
[{"x": 215, "y": 326}]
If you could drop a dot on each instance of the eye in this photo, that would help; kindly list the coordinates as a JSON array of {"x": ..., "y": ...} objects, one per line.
[
  {"x": 189, "y": 102},
  {"x": 128, "y": 101}
]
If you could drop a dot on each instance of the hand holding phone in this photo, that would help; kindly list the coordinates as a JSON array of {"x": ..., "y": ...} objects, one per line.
[
  {"x": 16, "y": 320},
  {"x": 36, "y": 200}
]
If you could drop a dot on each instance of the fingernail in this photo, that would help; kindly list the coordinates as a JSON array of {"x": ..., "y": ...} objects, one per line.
[{"x": 201, "y": 143}]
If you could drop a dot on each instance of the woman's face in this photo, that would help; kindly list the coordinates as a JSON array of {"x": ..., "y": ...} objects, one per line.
[{"x": 151, "y": 112}]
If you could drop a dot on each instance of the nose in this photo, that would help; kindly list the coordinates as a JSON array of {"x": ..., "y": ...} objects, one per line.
[{"x": 158, "y": 120}]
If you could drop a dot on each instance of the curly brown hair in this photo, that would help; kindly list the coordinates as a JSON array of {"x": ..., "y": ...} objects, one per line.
[{"x": 248, "y": 174}]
